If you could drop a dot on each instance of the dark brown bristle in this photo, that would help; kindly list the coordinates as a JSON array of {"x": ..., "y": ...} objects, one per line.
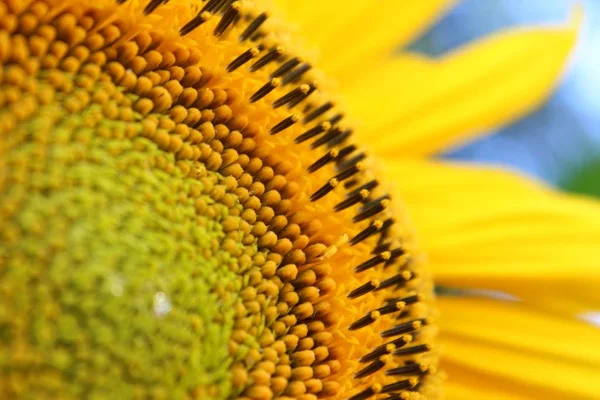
[
  {"x": 352, "y": 200},
  {"x": 408, "y": 300},
  {"x": 410, "y": 351},
  {"x": 339, "y": 139},
  {"x": 366, "y": 233},
  {"x": 297, "y": 101},
  {"x": 195, "y": 22},
  {"x": 326, "y": 188},
  {"x": 213, "y": 6},
  {"x": 386, "y": 348},
  {"x": 372, "y": 208},
  {"x": 298, "y": 92},
  {"x": 391, "y": 308},
  {"x": 381, "y": 247},
  {"x": 398, "y": 280},
  {"x": 253, "y": 26},
  {"x": 349, "y": 172},
  {"x": 403, "y": 328},
  {"x": 294, "y": 75},
  {"x": 359, "y": 157},
  {"x": 363, "y": 289},
  {"x": 375, "y": 354},
  {"x": 366, "y": 320},
  {"x": 394, "y": 254},
  {"x": 152, "y": 5},
  {"x": 365, "y": 394},
  {"x": 243, "y": 58},
  {"x": 286, "y": 123},
  {"x": 265, "y": 89},
  {"x": 237, "y": 18},
  {"x": 272, "y": 55},
  {"x": 370, "y": 263},
  {"x": 323, "y": 161},
  {"x": 401, "y": 341},
  {"x": 385, "y": 228},
  {"x": 336, "y": 118},
  {"x": 345, "y": 151},
  {"x": 232, "y": 12},
  {"x": 318, "y": 112},
  {"x": 312, "y": 132},
  {"x": 370, "y": 369},
  {"x": 285, "y": 67},
  {"x": 333, "y": 132},
  {"x": 409, "y": 369},
  {"x": 400, "y": 385},
  {"x": 257, "y": 36},
  {"x": 403, "y": 315},
  {"x": 369, "y": 186}
]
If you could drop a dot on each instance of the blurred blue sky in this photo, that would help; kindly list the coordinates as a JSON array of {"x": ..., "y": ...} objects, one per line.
[{"x": 565, "y": 133}]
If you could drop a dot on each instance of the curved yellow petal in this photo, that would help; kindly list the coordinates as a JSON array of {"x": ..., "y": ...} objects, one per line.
[
  {"x": 483, "y": 85},
  {"x": 319, "y": 20},
  {"x": 492, "y": 229},
  {"x": 514, "y": 326},
  {"x": 351, "y": 35},
  {"x": 518, "y": 351},
  {"x": 469, "y": 384},
  {"x": 467, "y": 381}
]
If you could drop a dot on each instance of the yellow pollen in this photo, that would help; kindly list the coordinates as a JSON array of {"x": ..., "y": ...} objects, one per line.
[{"x": 206, "y": 15}]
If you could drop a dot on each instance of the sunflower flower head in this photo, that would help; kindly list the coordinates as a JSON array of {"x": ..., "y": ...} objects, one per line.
[
  {"x": 189, "y": 215},
  {"x": 190, "y": 212}
]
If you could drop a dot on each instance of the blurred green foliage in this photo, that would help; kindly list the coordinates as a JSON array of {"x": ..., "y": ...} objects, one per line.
[{"x": 584, "y": 180}]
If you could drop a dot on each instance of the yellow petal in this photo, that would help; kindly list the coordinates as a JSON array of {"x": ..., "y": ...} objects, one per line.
[
  {"x": 472, "y": 385},
  {"x": 486, "y": 84},
  {"x": 352, "y": 35},
  {"x": 319, "y": 20},
  {"x": 492, "y": 229},
  {"x": 517, "y": 351}
]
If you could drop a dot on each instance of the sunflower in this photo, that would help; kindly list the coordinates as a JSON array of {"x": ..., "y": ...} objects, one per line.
[{"x": 232, "y": 199}]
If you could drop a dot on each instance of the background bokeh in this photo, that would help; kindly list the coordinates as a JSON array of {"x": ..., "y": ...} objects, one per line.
[{"x": 560, "y": 142}]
